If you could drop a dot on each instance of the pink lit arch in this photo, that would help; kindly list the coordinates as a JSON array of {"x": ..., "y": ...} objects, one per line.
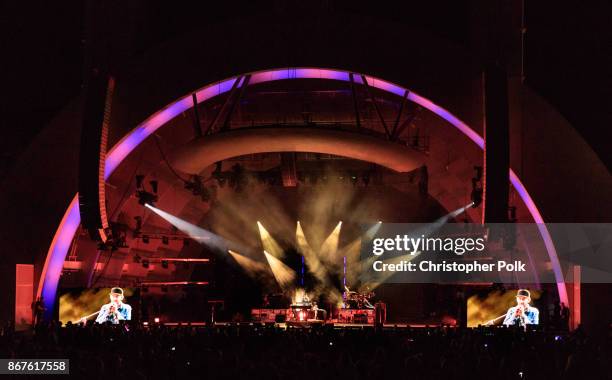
[{"x": 64, "y": 234}]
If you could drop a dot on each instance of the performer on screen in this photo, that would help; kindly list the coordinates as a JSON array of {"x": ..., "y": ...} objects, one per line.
[
  {"x": 522, "y": 314},
  {"x": 115, "y": 310}
]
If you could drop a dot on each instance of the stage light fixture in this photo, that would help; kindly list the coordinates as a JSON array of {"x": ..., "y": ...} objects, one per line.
[
  {"x": 476, "y": 194},
  {"x": 154, "y": 184},
  {"x": 145, "y": 264},
  {"x": 136, "y": 258},
  {"x": 512, "y": 214},
  {"x": 423, "y": 181},
  {"x": 139, "y": 181},
  {"x": 164, "y": 264},
  {"x": 138, "y": 220},
  {"x": 145, "y": 239},
  {"x": 238, "y": 179},
  {"x": 165, "y": 240},
  {"x": 196, "y": 186},
  {"x": 144, "y": 197},
  {"x": 366, "y": 180},
  {"x": 478, "y": 175},
  {"x": 156, "y": 319},
  {"x": 477, "y": 189}
]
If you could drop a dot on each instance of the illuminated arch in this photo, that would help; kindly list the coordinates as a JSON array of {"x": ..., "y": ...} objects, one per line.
[
  {"x": 203, "y": 152},
  {"x": 56, "y": 255}
]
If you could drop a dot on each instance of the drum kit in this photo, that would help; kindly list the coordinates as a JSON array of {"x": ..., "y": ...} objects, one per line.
[{"x": 356, "y": 300}]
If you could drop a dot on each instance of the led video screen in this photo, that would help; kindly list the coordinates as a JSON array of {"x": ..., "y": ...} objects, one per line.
[
  {"x": 98, "y": 304},
  {"x": 504, "y": 308}
]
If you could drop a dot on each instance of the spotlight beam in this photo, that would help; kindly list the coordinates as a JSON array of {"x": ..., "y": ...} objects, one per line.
[
  {"x": 282, "y": 273},
  {"x": 329, "y": 249},
  {"x": 438, "y": 223},
  {"x": 314, "y": 264},
  {"x": 269, "y": 244},
  {"x": 249, "y": 265},
  {"x": 197, "y": 233},
  {"x": 381, "y": 276},
  {"x": 353, "y": 249}
]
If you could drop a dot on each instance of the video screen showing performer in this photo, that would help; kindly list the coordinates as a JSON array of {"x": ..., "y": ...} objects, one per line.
[
  {"x": 101, "y": 305},
  {"x": 522, "y": 314},
  {"x": 116, "y": 310},
  {"x": 503, "y": 307}
]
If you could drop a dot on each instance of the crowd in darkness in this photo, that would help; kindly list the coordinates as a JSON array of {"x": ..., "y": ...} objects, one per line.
[{"x": 268, "y": 352}]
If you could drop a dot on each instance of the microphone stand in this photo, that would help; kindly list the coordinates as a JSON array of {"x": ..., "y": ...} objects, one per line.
[
  {"x": 494, "y": 319},
  {"x": 88, "y": 316}
]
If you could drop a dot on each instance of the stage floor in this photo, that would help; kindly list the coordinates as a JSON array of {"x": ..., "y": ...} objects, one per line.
[{"x": 303, "y": 324}]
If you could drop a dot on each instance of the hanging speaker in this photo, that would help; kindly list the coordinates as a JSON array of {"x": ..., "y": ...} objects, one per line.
[
  {"x": 92, "y": 158},
  {"x": 497, "y": 146}
]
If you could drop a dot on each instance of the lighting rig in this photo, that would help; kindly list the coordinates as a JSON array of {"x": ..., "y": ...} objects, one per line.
[
  {"x": 165, "y": 261},
  {"x": 116, "y": 238},
  {"x": 477, "y": 188},
  {"x": 142, "y": 194},
  {"x": 509, "y": 236},
  {"x": 165, "y": 238},
  {"x": 163, "y": 285},
  {"x": 197, "y": 188}
]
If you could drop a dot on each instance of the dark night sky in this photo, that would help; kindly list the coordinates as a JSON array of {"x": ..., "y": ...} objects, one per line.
[{"x": 568, "y": 58}]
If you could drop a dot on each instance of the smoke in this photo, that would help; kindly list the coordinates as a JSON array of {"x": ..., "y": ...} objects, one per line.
[
  {"x": 381, "y": 277},
  {"x": 259, "y": 224},
  {"x": 311, "y": 257},
  {"x": 269, "y": 244},
  {"x": 255, "y": 269},
  {"x": 249, "y": 265},
  {"x": 329, "y": 248},
  {"x": 197, "y": 233},
  {"x": 282, "y": 273}
]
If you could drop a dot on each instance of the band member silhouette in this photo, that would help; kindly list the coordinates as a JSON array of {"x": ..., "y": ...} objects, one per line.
[
  {"x": 522, "y": 314},
  {"x": 115, "y": 310}
]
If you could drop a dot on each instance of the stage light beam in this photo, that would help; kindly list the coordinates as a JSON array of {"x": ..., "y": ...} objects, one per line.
[
  {"x": 313, "y": 262},
  {"x": 352, "y": 250},
  {"x": 269, "y": 244},
  {"x": 282, "y": 273},
  {"x": 249, "y": 265},
  {"x": 196, "y": 233},
  {"x": 329, "y": 248},
  {"x": 302, "y": 242},
  {"x": 381, "y": 277}
]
